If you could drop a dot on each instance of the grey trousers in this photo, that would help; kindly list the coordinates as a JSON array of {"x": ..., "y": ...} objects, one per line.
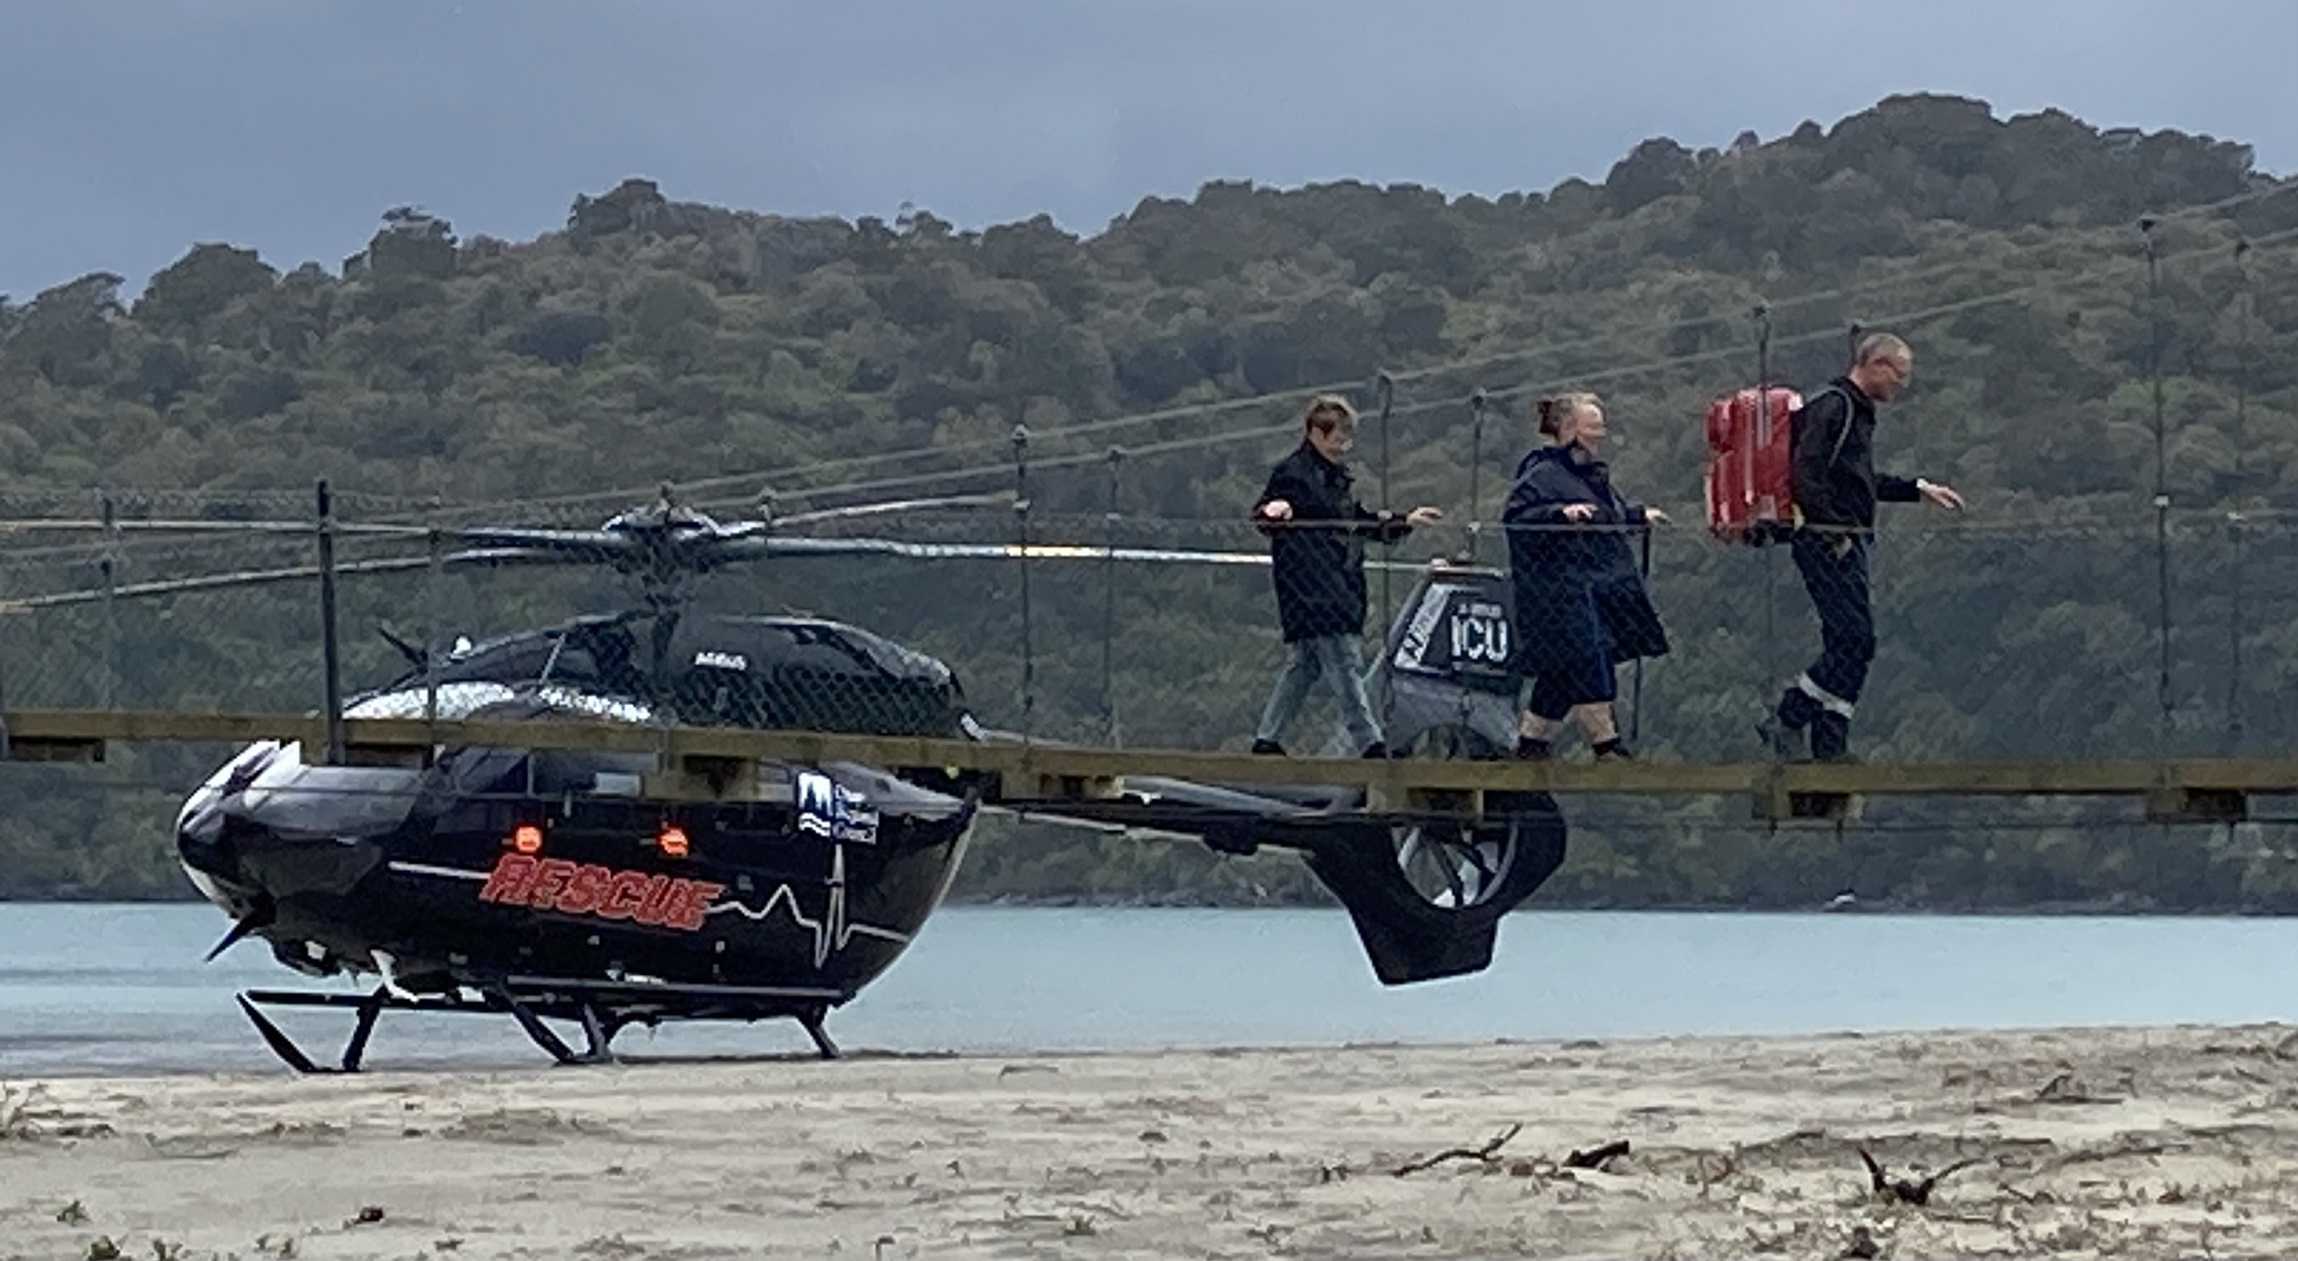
[{"x": 1338, "y": 659}]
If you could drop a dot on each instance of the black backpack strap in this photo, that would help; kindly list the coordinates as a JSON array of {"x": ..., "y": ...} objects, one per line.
[{"x": 1848, "y": 409}]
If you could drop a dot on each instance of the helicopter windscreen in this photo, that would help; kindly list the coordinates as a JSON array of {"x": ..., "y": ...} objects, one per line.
[
  {"x": 803, "y": 674},
  {"x": 764, "y": 672},
  {"x": 594, "y": 654}
]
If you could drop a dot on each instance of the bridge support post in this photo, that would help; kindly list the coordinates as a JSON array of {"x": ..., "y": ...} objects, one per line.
[{"x": 331, "y": 661}]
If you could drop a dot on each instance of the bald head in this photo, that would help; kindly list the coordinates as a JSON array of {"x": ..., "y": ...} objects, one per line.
[{"x": 1881, "y": 366}]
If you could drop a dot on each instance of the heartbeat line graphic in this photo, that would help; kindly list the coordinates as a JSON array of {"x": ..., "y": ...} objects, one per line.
[{"x": 833, "y": 930}]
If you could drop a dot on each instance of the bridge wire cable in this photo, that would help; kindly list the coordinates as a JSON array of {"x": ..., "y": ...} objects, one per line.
[
  {"x": 2057, "y": 284},
  {"x": 1210, "y": 440},
  {"x": 430, "y": 510},
  {"x": 1467, "y": 364}
]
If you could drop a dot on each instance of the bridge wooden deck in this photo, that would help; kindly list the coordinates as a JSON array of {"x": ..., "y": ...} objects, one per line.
[{"x": 2192, "y": 790}]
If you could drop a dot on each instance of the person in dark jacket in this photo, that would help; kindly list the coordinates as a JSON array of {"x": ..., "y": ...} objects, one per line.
[
  {"x": 1317, "y": 531},
  {"x": 1581, "y": 608},
  {"x": 1836, "y": 489}
]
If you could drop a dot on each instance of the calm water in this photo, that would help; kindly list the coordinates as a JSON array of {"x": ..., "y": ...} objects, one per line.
[{"x": 112, "y": 989}]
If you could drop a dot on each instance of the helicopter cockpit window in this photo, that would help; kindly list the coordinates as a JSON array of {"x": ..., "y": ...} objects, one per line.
[
  {"x": 482, "y": 770},
  {"x": 519, "y": 661},
  {"x": 569, "y": 665},
  {"x": 475, "y": 785},
  {"x": 558, "y": 772}
]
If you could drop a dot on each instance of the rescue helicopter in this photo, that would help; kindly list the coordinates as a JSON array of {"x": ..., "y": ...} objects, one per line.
[{"x": 549, "y": 884}]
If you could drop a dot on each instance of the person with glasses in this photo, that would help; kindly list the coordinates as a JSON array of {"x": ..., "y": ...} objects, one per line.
[
  {"x": 1317, "y": 531},
  {"x": 1836, "y": 488}
]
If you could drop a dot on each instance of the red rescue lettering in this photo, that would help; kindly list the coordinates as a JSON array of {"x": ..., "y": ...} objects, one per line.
[
  {"x": 550, "y": 881},
  {"x": 622, "y": 895},
  {"x": 555, "y": 884},
  {"x": 509, "y": 881},
  {"x": 694, "y": 904},
  {"x": 585, "y": 890},
  {"x": 650, "y": 907}
]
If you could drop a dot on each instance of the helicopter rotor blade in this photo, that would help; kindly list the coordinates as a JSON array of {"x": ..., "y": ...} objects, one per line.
[
  {"x": 576, "y": 544},
  {"x": 234, "y": 580},
  {"x": 805, "y": 547},
  {"x": 741, "y": 544},
  {"x": 735, "y": 542},
  {"x": 250, "y": 578},
  {"x": 497, "y": 557},
  {"x": 881, "y": 507},
  {"x": 735, "y": 531},
  {"x": 63, "y": 525},
  {"x": 802, "y": 548}
]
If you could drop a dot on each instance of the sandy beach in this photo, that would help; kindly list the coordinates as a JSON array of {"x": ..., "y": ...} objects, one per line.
[{"x": 2115, "y": 1142}]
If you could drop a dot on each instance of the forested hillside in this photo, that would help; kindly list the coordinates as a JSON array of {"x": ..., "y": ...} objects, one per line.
[{"x": 735, "y": 352}]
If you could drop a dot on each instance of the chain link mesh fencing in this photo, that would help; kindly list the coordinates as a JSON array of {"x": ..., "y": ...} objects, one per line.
[
  {"x": 2039, "y": 640},
  {"x": 2031, "y": 641}
]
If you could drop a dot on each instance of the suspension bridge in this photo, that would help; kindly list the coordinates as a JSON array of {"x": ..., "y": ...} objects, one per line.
[{"x": 1119, "y": 645}]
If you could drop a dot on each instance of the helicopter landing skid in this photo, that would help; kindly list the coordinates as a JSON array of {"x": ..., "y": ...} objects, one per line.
[
  {"x": 597, "y": 1035},
  {"x": 811, "y": 1020},
  {"x": 593, "y": 1004},
  {"x": 369, "y": 1007},
  {"x": 598, "y": 1032}
]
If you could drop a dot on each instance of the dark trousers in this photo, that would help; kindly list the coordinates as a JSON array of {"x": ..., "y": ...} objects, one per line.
[{"x": 1837, "y": 584}]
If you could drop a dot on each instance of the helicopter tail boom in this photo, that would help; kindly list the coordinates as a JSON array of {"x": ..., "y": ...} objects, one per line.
[{"x": 1426, "y": 895}]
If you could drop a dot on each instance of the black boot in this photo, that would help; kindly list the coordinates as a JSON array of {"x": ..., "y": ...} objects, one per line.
[
  {"x": 1782, "y": 742},
  {"x": 1531, "y": 750},
  {"x": 1613, "y": 750},
  {"x": 1269, "y": 747},
  {"x": 1782, "y": 729},
  {"x": 1796, "y": 709},
  {"x": 1831, "y": 738}
]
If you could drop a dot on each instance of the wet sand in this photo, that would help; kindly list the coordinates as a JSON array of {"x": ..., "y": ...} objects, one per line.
[{"x": 2139, "y": 1142}]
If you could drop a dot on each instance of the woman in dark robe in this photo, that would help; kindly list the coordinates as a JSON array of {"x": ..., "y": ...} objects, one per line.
[{"x": 1581, "y": 608}]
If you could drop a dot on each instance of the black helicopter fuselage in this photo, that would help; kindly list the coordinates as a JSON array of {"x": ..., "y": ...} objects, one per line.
[
  {"x": 524, "y": 872},
  {"x": 584, "y": 885}
]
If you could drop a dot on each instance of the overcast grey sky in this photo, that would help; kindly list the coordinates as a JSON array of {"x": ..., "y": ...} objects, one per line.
[{"x": 131, "y": 128}]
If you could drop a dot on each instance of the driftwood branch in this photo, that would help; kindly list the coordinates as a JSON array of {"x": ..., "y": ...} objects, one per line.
[
  {"x": 1595, "y": 1157},
  {"x": 1487, "y": 1154},
  {"x": 1901, "y": 1189},
  {"x": 2067, "y": 1088}
]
